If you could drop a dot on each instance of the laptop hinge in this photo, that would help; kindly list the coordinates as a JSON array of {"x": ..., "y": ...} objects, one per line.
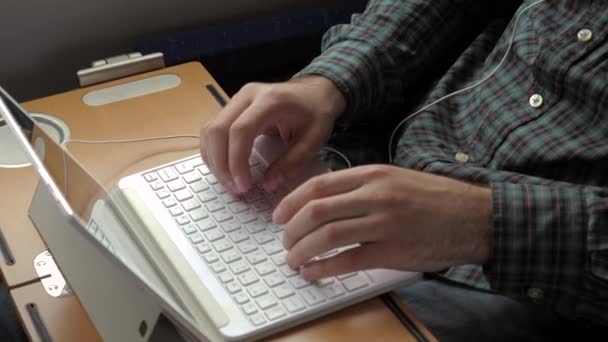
[{"x": 116, "y": 67}]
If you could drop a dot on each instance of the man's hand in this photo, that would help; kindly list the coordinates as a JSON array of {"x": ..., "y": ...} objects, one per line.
[
  {"x": 302, "y": 112},
  {"x": 402, "y": 219}
]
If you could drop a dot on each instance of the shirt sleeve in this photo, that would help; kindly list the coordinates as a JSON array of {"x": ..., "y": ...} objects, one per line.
[
  {"x": 550, "y": 243},
  {"x": 372, "y": 59}
]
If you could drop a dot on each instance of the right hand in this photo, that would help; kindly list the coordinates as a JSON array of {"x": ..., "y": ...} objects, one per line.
[{"x": 301, "y": 111}]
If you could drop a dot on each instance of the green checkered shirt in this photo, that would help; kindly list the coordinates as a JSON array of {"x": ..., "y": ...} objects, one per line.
[{"x": 535, "y": 131}]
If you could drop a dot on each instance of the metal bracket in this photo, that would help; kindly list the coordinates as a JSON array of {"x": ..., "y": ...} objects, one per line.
[
  {"x": 52, "y": 280},
  {"x": 120, "y": 66}
]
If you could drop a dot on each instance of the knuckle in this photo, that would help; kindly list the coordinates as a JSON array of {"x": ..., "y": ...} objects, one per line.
[
  {"x": 317, "y": 210},
  {"x": 385, "y": 198},
  {"x": 376, "y": 171},
  {"x": 249, "y": 88},
  {"x": 332, "y": 234},
  {"x": 317, "y": 186}
]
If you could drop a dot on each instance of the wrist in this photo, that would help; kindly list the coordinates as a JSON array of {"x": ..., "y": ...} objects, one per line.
[
  {"x": 331, "y": 100},
  {"x": 477, "y": 223}
]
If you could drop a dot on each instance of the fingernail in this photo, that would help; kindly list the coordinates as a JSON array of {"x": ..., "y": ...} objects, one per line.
[
  {"x": 273, "y": 182},
  {"x": 277, "y": 216},
  {"x": 240, "y": 184}
]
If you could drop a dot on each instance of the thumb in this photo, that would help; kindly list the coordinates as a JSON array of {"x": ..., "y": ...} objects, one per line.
[{"x": 290, "y": 165}]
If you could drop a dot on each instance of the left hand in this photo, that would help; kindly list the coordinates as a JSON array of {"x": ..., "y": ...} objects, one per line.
[{"x": 402, "y": 219}]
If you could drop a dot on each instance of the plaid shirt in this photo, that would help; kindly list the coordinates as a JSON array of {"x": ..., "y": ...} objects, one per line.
[{"x": 536, "y": 131}]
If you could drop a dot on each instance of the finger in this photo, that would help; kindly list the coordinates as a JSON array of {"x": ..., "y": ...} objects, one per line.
[
  {"x": 325, "y": 185},
  {"x": 216, "y": 139},
  {"x": 289, "y": 165},
  {"x": 244, "y": 130},
  {"x": 319, "y": 212},
  {"x": 330, "y": 236},
  {"x": 364, "y": 257}
]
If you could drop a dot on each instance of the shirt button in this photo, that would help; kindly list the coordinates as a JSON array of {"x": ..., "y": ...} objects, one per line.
[
  {"x": 535, "y": 293},
  {"x": 536, "y": 101},
  {"x": 584, "y": 35},
  {"x": 461, "y": 157}
]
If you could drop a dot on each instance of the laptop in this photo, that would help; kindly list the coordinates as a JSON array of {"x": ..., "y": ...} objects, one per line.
[{"x": 214, "y": 257}]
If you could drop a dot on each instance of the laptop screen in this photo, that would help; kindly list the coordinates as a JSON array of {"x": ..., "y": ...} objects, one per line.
[{"x": 79, "y": 190}]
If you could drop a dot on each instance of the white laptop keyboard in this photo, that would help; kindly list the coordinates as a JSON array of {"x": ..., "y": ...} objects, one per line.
[{"x": 238, "y": 241}]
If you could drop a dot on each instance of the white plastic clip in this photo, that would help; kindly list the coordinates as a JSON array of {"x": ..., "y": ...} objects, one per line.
[{"x": 120, "y": 66}]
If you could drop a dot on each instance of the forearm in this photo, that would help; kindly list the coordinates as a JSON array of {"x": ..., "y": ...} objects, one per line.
[{"x": 375, "y": 58}]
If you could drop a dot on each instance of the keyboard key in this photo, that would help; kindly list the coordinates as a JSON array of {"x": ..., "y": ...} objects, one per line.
[
  {"x": 247, "y": 278},
  {"x": 333, "y": 290},
  {"x": 176, "y": 211},
  {"x": 239, "y": 267},
  {"x": 255, "y": 227},
  {"x": 257, "y": 319},
  {"x": 225, "y": 277},
  {"x": 214, "y": 234},
  {"x": 274, "y": 279},
  {"x": 203, "y": 248},
  {"x": 157, "y": 185},
  {"x": 192, "y": 177},
  {"x": 150, "y": 177},
  {"x": 183, "y": 195},
  {"x": 182, "y": 220},
  {"x": 279, "y": 259},
  {"x": 249, "y": 308},
  {"x": 183, "y": 168},
  {"x": 287, "y": 271},
  {"x": 228, "y": 198},
  {"x": 256, "y": 257},
  {"x": 247, "y": 246},
  {"x": 204, "y": 170},
  {"x": 190, "y": 204},
  {"x": 312, "y": 295},
  {"x": 218, "y": 267},
  {"x": 283, "y": 291},
  {"x": 212, "y": 179},
  {"x": 266, "y": 301},
  {"x": 198, "y": 214},
  {"x": 175, "y": 185},
  {"x": 238, "y": 207},
  {"x": 222, "y": 215},
  {"x": 219, "y": 189},
  {"x": 189, "y": 229},
  {"x": 238, "y": 236},
  {"x": 355, "y": 283},
  {"x": 230, "y": 226},
  {"x": 163, "y": 193},
  {"x": 279, "y": 236},
  {"x": 196, "y": 238},
  {"x": 214, "y": 205},
  {"x": 246, "y": 216},
  {"x": 210, "y": 257},
  {"x": 273, "y": 247},
  {"x": 169, "y": 202},
  {"x": 222, "y": 245},
  {"x": 167, "y": 174},
  {"x": 205, "y": 224},
  {"x": 275, "y": 228},
  {"x": 199, "y": 186},
  {"x": 264, "y": 237},
  {"x": 233, "y": 287},
  {"x": 257, "y": 290},
  {"x": 254, "y": 194},
  {"x": 265, "y": 268},
  {"x": 299, "y": 283},
  {"x": 325, "y": 281},
  {"x": 294, "y": 304},
  {"x": 346, "y": 275},
  {"x": 261, "y": 205},
  {"x": 266, "y": 216},
  {"x": 230, "y": 256},
  {"x": 275, "y": 313},
  {"x": 206, "y": 196},
  {"x": 241, "y": 298}
]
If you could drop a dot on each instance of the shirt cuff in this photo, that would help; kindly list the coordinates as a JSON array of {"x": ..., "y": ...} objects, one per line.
[{"x": 539, "y": 241}]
